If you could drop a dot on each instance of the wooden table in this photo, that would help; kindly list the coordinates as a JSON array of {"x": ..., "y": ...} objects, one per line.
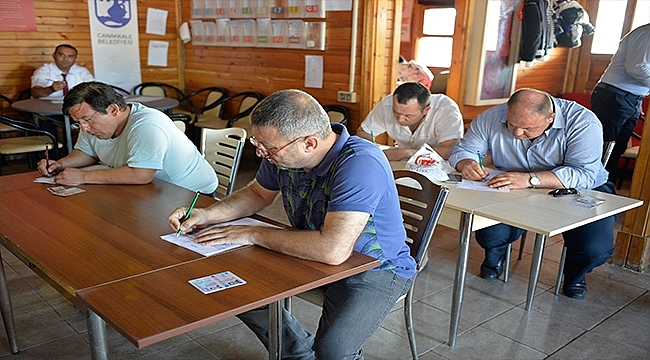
[
  {"x": 48, "y": 107},
  {"x": 111, "y": 235}
]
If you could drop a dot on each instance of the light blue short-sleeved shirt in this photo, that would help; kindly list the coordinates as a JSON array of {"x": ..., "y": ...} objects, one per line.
[{"x": 150, "y": 140}]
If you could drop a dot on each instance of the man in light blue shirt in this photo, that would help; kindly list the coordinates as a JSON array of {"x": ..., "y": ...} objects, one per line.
[
  {"x": 136, "y": 142},
  {"x": 545, "y": 142},
  {"x": 617, "y": 97}
]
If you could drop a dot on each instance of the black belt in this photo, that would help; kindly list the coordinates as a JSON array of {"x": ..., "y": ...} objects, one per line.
[{"x": 619, "y": 91}]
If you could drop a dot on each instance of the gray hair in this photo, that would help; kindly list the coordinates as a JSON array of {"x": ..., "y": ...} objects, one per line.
[{"x": 294, "y": 113}]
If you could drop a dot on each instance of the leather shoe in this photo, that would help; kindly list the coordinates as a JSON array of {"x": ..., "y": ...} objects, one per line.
[
  {"x": 576, "y": 291},
  {"x": 491, "y": 273}
]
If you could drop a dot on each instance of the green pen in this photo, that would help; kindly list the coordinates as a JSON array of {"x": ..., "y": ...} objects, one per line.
[
  {"x": 189, "y": 212},
  {"x": 480, "y": 160},
  {"x": 372, "y": 137}
]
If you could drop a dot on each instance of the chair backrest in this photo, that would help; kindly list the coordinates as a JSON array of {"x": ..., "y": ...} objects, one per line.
[
  {"x": 439, "y": 83},
  {"x": 583, "y": 99},
  {"x": 608, "y": 146},
  {"x": 337, "y": 113},
  {"x": 30, "y": 130},
  {"x": 223, "y": 149},
  {"x": 181, "y": 120},
  {"x": 158, "y": 89},
  {"x": 212, "y": 108},
  {"x": 119, "y": 90},
  {"x": 421, "y": 202}
]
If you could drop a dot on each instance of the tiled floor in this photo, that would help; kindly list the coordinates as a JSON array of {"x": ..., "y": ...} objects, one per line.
[{"x": 613, "y": 322}]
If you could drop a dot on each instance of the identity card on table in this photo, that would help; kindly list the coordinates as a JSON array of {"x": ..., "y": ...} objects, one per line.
[
  {"x": 217, "y": 282},
  {"x": 187, "y": 240}
]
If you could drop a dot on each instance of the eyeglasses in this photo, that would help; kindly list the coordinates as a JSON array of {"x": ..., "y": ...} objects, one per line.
[
  {"x": 564, "y": 191},
  {"x": 87, "y": 121},
  {"x": 261, "y": 151}
]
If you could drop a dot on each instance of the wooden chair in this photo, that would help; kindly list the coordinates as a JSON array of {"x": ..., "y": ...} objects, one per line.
[
  {"x": 337, "y": 113},
  {"x": 421, "y": 202},
  {"x": 608, "y": 146},
  {"x": 35, "y": 140},
  {"x": 223, "y": 149}
]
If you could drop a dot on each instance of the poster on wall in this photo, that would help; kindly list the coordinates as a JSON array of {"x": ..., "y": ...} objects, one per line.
[
  {"x": 17, "y": 15},
  {"x": 407, "y": 11},
  {"x": 115, "y": 44}
]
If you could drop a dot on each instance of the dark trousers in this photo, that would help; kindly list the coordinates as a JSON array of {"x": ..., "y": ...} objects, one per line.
[
  {"x": 588, "y": 246},
  {"x": 619, "y": 112}
]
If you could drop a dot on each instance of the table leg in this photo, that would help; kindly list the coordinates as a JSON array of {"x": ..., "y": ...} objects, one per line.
[
  {"x": 461, "y": 272},
  {"x": 97, "y": 336},
  {"x": 68, "y": 132},
  {"x": 275, "y": 330},
  {"x": 535, "y": 265},
  {"x": 7, "y": 310}
]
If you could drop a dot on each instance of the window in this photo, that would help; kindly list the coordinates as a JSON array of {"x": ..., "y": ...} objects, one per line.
[
  {"x": 435, "y": 46},
  {"x": 609, "y": 24}
]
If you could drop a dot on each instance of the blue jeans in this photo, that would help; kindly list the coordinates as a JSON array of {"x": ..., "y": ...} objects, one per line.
[
  {"x": 353, "y": 309},
  {"x": 588, "y": 246}
]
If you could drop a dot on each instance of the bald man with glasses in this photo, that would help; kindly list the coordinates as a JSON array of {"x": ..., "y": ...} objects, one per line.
[
  {"x": 322, "y": 174},
  {"x": 540, "y": 142}
]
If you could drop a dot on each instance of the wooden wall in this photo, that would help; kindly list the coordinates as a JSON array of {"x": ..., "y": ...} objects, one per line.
[
  {"x": 267, "y": 70},
  {"x": 66, "y": 21}
]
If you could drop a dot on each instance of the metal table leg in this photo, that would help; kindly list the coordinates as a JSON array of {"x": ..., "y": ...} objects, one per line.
[
  {"x": 535, "y": 266},
  {"x": 7, "y": 310},
  {"x": 97, "y": 336},
  {"x": 461, "y": 272},
  {"x": 275, "y": 330}
]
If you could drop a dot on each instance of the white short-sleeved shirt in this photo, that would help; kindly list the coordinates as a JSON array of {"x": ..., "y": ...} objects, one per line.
[
  {"x": 49, "y": 73},
  {"x": 443, "y": 122},
  {"x": 150, "y": 140}
]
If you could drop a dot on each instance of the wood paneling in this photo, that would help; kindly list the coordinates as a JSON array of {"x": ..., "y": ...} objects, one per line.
[{"x": 66, "y": 21}]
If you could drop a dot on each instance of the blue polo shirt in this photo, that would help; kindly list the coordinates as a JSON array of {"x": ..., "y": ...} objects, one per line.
[{"x": 354, "y": 176}]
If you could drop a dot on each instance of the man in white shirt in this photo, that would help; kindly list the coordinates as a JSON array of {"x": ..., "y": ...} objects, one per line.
[
  {"x": 58, "y": 77},
  {"x": 412, "y": 116}
]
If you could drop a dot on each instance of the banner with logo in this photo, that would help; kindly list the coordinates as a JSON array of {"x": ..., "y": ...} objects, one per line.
[{"x": 114, "y": 37}]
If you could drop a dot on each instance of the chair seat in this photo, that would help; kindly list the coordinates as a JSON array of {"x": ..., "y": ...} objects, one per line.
[
  {"x": 631, "y": 152},
  {"x": 19, "y": 145},
  {"x": 7, "y": 128}
]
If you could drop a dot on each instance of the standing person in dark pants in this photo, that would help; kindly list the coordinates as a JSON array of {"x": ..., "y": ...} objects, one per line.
[{"x": 616, "y": 99}]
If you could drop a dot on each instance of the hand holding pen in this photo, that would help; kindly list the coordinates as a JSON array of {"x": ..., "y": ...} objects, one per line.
[
  {"x": 187, "y": 214},
  {"x": 483, "y": 174}
]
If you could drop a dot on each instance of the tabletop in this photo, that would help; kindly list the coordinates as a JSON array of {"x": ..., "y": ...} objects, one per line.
[
  {"x": 145, "y": 312},
  {"x": 107, "y": 233},
  {"x": 53, "y": 106}
]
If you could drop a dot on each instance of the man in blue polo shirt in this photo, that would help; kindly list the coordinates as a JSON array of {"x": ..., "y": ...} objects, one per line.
[{"x": 339, "y": 194}]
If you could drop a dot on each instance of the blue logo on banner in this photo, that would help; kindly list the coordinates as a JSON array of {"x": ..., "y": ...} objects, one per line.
[{"x": 113, "y": 13}]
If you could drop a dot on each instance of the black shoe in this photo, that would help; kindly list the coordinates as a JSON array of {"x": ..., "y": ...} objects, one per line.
[
  {"x": 576, "y": 291},
  {"x": 491, "y": 273}
]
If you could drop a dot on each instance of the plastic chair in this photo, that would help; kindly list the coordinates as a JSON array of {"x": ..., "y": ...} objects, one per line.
[
  {"x": 337, "y": 113},
  {"x": 35, "y": 140},
  {"x": 223, "y": 149},
  {"x": 246, "y": 101},
  {"x": 182, "y": 121},
  {"x": 5, "y": 108},
  {"x": 210, "y": 107},
  {"x": 608, "y": 146},
  {"x": 421, "y": 202},
  {"x": 120, "y": 90},
  {"x": 158, "y": 89}
]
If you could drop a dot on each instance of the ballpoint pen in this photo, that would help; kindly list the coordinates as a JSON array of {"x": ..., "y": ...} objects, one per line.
[
  {"x": 480, "y": 160},
  {"x": 47, "y": 159},
  {"x": 189, "y": 212},
  {"x": 372, "y": 137}
]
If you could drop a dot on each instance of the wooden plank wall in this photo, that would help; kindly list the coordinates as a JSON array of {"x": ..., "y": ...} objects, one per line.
[
  {"x": 267, "y": 70},
  {"x": 66, "y": 21}
]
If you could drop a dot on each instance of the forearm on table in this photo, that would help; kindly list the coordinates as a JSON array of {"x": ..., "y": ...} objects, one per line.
[
  {"x": 39, "y": 91},
  {"x": 548, "y": 180},
  {"x": 77, "y": 159},
  {"x": 121, "y": 175}
]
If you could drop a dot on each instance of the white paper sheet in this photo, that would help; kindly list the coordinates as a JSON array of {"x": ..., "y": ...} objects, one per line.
[
  {"x": 481, "y": 185},
  {"x": 187, "y": 240},
  {"x": 158, "y": 53},
  {"x": 313, "y": 71},
  {"x": 156, "y": 21}
]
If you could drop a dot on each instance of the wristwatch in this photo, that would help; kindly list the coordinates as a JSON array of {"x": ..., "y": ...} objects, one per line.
[{"x": 534, "y": 180}]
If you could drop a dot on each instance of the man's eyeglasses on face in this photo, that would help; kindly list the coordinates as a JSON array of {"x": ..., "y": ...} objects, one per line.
[
  {"x": 88, "y": 120},
  {"x": 261, "y": 151}
]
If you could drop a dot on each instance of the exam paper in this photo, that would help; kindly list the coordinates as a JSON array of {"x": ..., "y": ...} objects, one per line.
[
  {"x": 187, "y": 240},
  {"x": 481, "y": 185},
  {"x": 50, "y": 179}
]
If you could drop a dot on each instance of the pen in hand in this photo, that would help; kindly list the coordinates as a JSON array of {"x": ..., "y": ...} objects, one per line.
[
  {"x": 480, "y": 160},
  {"x": 189, "y": 212},
  {"x": 47, "y": 159}
]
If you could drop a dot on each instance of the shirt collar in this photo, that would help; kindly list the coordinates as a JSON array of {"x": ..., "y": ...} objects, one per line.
[{"x": 324, "y": 166}]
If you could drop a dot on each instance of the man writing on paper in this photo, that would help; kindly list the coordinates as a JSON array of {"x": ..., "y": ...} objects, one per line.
[
  {"x": 412, "y": 116},
  {"x": 137, "y": 142},
  {"x": 322, "y": 173},
  {"x": 58, "y": 77},
  {"x": 544, "y": 142}
]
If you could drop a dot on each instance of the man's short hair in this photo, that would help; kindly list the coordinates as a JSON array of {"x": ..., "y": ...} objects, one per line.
[
  {"x": 413, "y": 90},
  {"x": 543, "y": 106},
  {"x": 96, "y": 94},
  {"x": 66, "y": 46},
  {"x": 294, "y": 113}
]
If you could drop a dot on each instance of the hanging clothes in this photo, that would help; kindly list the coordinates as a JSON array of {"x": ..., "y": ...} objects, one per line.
[
  {"x": 571, "y": 23},
  {"x": 534, "y": 30}
]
